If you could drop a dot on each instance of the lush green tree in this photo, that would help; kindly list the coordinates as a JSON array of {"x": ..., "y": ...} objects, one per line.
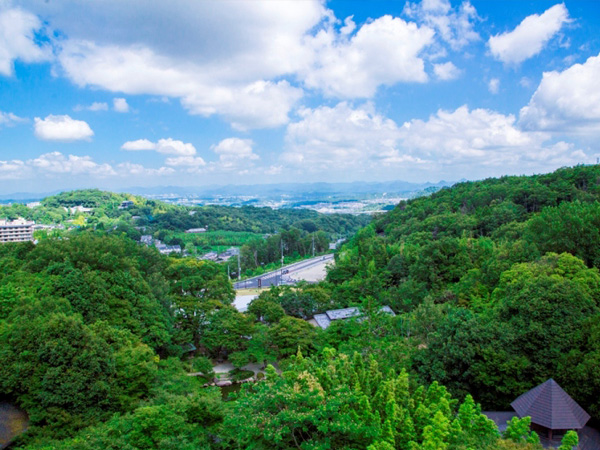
[
  {"x": 569, "y": 441},
  {"x": 290, "y": 334}
]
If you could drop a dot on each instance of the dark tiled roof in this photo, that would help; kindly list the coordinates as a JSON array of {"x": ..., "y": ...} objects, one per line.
[{"x": 550, "y": 406}]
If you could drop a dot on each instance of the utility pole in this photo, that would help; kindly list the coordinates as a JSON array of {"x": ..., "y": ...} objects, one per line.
[
  {"x": 313, "y": 236},
  {"x": 239, "y": 267},
  {"x": 281, "y": 251}
]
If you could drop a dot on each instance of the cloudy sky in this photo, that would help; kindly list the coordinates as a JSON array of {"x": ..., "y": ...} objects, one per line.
[{"x": 119, "y": 93}]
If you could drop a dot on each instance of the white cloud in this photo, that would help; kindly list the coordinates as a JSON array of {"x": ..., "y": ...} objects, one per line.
[
  {"x": 383, "y": 52},
  {"x": 127, "y": 169},
  {"x": 567, "y": 101},
  {"x": 234, "y": 153},
  {"x": 349, "y": 25},
  {"x": 343, "y": 137},
  {"x": 13, "y": 170},
  {"x": 8, "y": 119},
  {"x": 494, "y": 85},
  {"x": 17, "y": 39},
  {"x": 136, "y": 70},
  {"x": 237, "y": 60},
  {"x": 273, "y": 170},
  {"x": 62, "y": 128},
  {"x": 453, "y": 25},
  {"x": 96, "y": 106},
  {"x": 235, "y": 147},
  {"x": 481, "y": 139},
  {"x": 57, "y": 163},
  {"x": 186, "y": 161},
  {"x": 120, "y": 105},
  {"x": 446, "y": 71},
  {"x": 455, "y": 144},
  {"x": 529, "y": 37},
  {"x": 138, "y": 145},
  {"x": 167, "y": 146},
  {"x": 525, "y": 82},
  {"x": 219, "y": 58},
  {"x": 174, "y": 147}
]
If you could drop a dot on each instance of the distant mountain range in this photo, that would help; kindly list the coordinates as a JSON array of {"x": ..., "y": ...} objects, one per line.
[
  {"x": 294, "y": 190},
  {"x": 291, "y": 189}
]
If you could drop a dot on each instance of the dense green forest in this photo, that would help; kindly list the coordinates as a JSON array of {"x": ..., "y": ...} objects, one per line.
[
  {"x": 495, "y": 285},
  {"x": 498, "y": 281}
]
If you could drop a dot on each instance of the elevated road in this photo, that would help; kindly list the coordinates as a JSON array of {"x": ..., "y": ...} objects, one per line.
[{"x": 285, "y": 275}]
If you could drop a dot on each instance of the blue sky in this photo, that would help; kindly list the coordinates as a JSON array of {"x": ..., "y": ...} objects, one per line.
[{"x": 113, "y": 94}]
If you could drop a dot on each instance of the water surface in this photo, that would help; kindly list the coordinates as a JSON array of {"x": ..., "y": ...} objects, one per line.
[{"x": 13, "y": 421}]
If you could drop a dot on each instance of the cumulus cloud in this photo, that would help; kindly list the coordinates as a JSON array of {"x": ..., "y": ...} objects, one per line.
[
  {"x": 567, "y": 101},
  {"x": 383, "y": 52},
  {"x": 219, "y": 58},
  {"x": 96, "y": 106},
  {"x": 255, "y": 104},
  {"x": 9, "y": 119},
  {"x": 13, "y": 170},
  {"x": 494, "y": 85},
  {"x": 127, "y": 168},
  {"x": 62, "y": 128},
  {"x": 234, "y": 153},
  {"x": 485, "y": 139},
  {"x": 529, "y": 37},
  {"x": 167, "y": 146},
  {"x": 17, "y": 39},
  {"x": 446, "y": 71},
  {"x": 237, "y": 60},
  {"x": 57, "y": 163},
  {"x": 456, "y": 143},
  {"x": 120, "y": 105},
  {"x": 343, "y": 137},
  {"x": 453, "y": 25},
  {"x": 186, "y": 161}
]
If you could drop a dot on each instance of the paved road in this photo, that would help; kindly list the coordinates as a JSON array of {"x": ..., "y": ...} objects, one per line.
[{"x": 276, "y": 277}]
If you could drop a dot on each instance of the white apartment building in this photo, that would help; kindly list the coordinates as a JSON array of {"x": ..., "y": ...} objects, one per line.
[{"x": 19, "y": 230}]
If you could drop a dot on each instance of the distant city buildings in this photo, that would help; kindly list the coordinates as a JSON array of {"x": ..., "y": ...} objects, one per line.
[
  {"x": 19, "y": 230},
  {"x": 34, "y": 204}
]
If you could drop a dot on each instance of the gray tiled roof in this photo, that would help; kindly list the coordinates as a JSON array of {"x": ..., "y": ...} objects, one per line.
[
  {"x": 550, "y": 406},
  {"x": 324, "y": 320},
  {"x": 345, "y": 313}
]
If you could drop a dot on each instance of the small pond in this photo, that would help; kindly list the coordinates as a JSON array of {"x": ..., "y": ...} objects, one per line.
[{"x": 13, "y": 421}]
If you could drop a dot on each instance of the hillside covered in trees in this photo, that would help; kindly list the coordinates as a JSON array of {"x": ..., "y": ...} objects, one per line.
[
  {"x": 495, "y": 286},
  {"x": 261, "y": 233},
  {"x": 498, "y": 282}
]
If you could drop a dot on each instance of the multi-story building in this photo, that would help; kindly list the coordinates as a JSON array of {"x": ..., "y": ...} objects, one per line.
[{"x": 19, "y": 230}]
